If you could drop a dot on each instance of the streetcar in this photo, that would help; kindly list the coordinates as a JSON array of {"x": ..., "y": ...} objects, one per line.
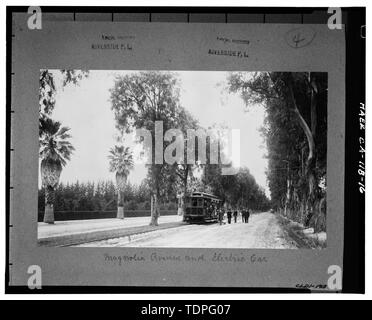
[{"x": 202, "y": 207}]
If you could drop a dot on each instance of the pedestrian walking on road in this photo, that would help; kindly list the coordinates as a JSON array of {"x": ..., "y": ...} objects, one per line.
[
  {"x": 229, "y": 215},
  {"x": 247, "y": 216},
  {"x": 220, "y": 216},
  {"x": 243, "y": 215},
  {"x": 235, "y": 215}
]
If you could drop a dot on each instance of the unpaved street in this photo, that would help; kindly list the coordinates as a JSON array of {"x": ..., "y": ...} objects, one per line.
[{"x": 262, "y": 231}]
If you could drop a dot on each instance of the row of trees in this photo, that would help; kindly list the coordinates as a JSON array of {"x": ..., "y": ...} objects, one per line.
[
  {"x": 139, "y": 100},
  {"x": 101, "y": 196},
  {"x": 237, "y": 191},
  {"x": 296, "y": 135},
  {"x": 240, "y": 190}
]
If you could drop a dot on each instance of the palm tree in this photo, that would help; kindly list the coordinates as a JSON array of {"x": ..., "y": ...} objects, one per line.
[
  {"x": 121, "y": 162},
  {"x": 55, "y": 150}
]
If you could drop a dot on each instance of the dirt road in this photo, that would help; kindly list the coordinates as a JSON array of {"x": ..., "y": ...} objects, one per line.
[{"x": 262, "y": 231}]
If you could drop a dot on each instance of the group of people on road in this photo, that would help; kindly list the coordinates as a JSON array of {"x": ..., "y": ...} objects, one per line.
[{"x": 245, "y": 213}]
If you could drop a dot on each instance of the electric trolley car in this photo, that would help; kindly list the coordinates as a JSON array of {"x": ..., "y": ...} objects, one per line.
[{"x": 202, "y": 207}]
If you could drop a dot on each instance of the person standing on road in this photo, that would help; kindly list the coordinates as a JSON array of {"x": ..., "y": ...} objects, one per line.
[
  {"x": 247, "y": 215},
  {"x": 235, "y": 215},
  {"x": 229, "y": 214},
  {"x": 220, "y": 215}
]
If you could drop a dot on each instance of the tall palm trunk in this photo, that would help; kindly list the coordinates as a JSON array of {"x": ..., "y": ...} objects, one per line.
[
  {"x": 120, "y": 212},
  {"x": 49, "y": 201},
  {"x": 180, "y": 205},
  {"x": 121, "y": 180},
  {"x": 50, "y": 173}
]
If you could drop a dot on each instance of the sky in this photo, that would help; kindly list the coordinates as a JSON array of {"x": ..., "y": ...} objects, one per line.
[{"x": 86, "y": 109}]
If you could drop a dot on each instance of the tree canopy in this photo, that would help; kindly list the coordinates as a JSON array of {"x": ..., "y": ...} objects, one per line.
[{"x": 295, "y": 131}]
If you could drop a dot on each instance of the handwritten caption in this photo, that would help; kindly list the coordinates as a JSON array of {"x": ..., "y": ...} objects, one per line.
[{"x": 215, "y": 257}]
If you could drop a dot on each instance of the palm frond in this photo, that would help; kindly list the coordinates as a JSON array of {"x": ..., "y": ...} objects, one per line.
[
  {"x": 54, "y": 146},
  {"x": 121, "y": 160}
]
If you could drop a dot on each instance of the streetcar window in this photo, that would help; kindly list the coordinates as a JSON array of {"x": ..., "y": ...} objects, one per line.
[
  {"x": 194, "y": 202},
  {"x": 200, "y": 202}
]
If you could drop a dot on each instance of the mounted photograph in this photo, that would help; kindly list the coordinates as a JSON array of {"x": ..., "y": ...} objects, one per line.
[{"x": 182, "y": 159}]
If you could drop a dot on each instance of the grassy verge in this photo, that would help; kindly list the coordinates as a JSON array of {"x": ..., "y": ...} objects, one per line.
[{"x": 293, "y": 232}]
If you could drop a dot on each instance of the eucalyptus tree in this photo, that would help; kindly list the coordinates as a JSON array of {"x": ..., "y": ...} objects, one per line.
[
  {"x": 142, "y": 100},
  {"x": 48, "y": 88},
  {"x": 295, "y": 132},
  {"x": 184, "y": 169}
]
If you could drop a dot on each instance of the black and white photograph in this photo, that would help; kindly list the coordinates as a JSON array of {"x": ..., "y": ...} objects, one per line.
[
  {"x": 182, "y": 159},
  {"x": 185, "y": 150}
]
